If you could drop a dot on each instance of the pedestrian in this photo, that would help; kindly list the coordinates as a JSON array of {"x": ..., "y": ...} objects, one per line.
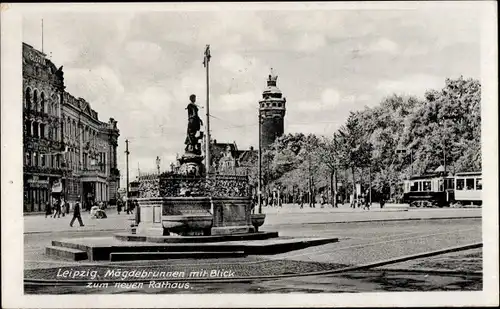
[
  {"x": 119, "y": 206},
  {"x": 138, "y": 213},
  {"x": 382, "y": 201},
  {"x": 323, "y": 202},
  {"x": 58, "y": 209},
  {"x": 48, "y": 210},
  {"x": 76, "y": 215},
  {"x": 367, "y": 204},
  {"x": 301, "y": 200},
  {"x": 127, "y": 207},
  {"x": 66, "y": 206}
]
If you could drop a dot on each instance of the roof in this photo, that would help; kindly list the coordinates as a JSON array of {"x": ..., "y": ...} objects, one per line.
[{"x": 468, "y": 174}]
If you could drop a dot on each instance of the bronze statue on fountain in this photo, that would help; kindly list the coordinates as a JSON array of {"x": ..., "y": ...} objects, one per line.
[{"x": 191, "y": 161}]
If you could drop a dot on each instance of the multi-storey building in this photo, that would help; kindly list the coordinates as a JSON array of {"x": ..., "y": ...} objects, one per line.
[
  {"x": 272, "y": 112},
  {"x": 43, "y": 86},
  {"x": 68, "y": 152},
  {"x": 90, "y": 152}
]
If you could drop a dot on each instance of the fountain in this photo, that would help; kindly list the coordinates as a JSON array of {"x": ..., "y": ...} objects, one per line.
[{"x": 194, "y": 202}]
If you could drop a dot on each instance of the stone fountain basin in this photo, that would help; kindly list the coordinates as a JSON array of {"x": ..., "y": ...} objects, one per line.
[
  {"x": 258, "y": 219},
  {"x": 197, "y": 222}
]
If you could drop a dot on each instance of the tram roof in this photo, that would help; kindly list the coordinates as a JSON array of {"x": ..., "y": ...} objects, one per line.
[
  {"x": 429, "y": 175},
  {"x": 469, "y": 174}
]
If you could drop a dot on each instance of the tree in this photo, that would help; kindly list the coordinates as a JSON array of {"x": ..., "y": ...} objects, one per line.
[{"x": 354, "y": 148}]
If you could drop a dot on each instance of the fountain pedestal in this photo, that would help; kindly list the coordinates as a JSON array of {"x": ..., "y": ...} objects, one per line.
[{"x": 231, "y": 215}]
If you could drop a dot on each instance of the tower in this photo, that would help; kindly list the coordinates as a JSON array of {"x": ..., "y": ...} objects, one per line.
[{"x": 271, "y": 112}]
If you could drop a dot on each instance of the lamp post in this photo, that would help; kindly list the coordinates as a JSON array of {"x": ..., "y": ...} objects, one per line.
[
  {"x": 158, "y": 160},
  {"x": 259, "y": 183},
  {"x": 206, "y": 61}
]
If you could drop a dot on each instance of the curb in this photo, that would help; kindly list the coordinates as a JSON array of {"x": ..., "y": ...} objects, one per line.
[
  {"x": 380, "y": 220},
  {"x": 76, "y": 231},
  {"x": 430, "y": 271},
  {"x": 305, "y": 223}
]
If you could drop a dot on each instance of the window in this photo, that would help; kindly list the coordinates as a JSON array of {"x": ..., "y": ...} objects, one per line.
[
  {"x": 479, "y": 184},
  {"x": 460, "y": 184},
  {"x": 35, "y": 159},
  {"x": 441, "y": 185},
  {"x": 35, "y": 100},
  {"x": 414, "y": 186},
  {"x": 43, "y": 159},
  {"x": 27, "y": 158},
  {"x": 27, "y": 101},
  {"x": 280, "y": 104},
  {"x": 450, "y": 183},
  {"x": 42, "y": 103},
  {"x": 42, "y": 130},
  {"x": 274, "y": 104},
  {"x": 35, "y": 129},
  {"x": 469, "y": 183},
  {"x": 426, "y": 186}
]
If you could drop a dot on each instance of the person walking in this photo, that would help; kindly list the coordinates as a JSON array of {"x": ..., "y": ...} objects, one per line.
[
  {"x": 58, "y": 209},
  {"x": 301, "y": 200},
  {"x": 119, "y": 206},
  {"x": 48, "y": 210},
  {"x": 77, "y": 214}
]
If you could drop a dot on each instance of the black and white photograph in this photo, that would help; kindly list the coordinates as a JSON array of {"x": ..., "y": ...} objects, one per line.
[{"x": 327, "y": 154}]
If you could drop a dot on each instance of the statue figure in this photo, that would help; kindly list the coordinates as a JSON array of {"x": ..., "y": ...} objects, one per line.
[{"x": 194, "y": 125}]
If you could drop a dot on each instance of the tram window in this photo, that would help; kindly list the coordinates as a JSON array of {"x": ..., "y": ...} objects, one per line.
[
  {"x": 479, "y": 183},
  {"x": 426, "y": 186},
  {"x": 460, "y": 183},
  {"x": 469, "y": 183},
  {"x": 414, "y": 186},
  {"x": 451, "y": 183}
]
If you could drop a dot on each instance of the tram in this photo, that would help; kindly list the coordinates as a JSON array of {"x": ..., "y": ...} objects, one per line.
[
  {"x": 429, "y": 190},
  {"x": 439, "y": 189},
  {"x": 468, "y": 188}
]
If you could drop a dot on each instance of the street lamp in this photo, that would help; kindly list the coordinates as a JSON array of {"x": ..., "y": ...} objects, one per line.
[
  {"x": 259, "y": 183},
  {"x": 158, "y": 160}
]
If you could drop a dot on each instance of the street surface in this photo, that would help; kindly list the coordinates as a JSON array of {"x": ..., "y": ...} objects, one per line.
[{"x": 364, "y": 237}]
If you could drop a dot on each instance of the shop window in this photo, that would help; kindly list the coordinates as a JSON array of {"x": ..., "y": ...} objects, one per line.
[
  {"x": 469, "y": 183},
  {"x": 460, "y": 184},
  {"x": 479, "y": 184}
]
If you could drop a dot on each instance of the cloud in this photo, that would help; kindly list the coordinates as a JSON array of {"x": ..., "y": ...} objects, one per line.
[
  {"x": 307, "y": 42},
  {"x": 415, "y": 84},
  {"x": 384, "y": 45}
]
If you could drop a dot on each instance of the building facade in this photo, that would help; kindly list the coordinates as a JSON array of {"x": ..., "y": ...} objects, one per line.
[
  {"x": 272, "y": 112},
  {"x": 228, "y": 159},
  {"x": 43, "y": 87},
  {"x": 69, "y": 152}
]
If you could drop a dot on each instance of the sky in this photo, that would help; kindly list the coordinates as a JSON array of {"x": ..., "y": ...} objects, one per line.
[{"x": 140, "y": 67}]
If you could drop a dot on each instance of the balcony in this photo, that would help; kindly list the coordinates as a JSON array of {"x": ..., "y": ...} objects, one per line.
[{"x": 92, "y": 175}]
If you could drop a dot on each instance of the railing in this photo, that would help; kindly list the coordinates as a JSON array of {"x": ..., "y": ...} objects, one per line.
[
  {"x": 44, "y": 170},
  {"x": 174, "y": 185}
]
